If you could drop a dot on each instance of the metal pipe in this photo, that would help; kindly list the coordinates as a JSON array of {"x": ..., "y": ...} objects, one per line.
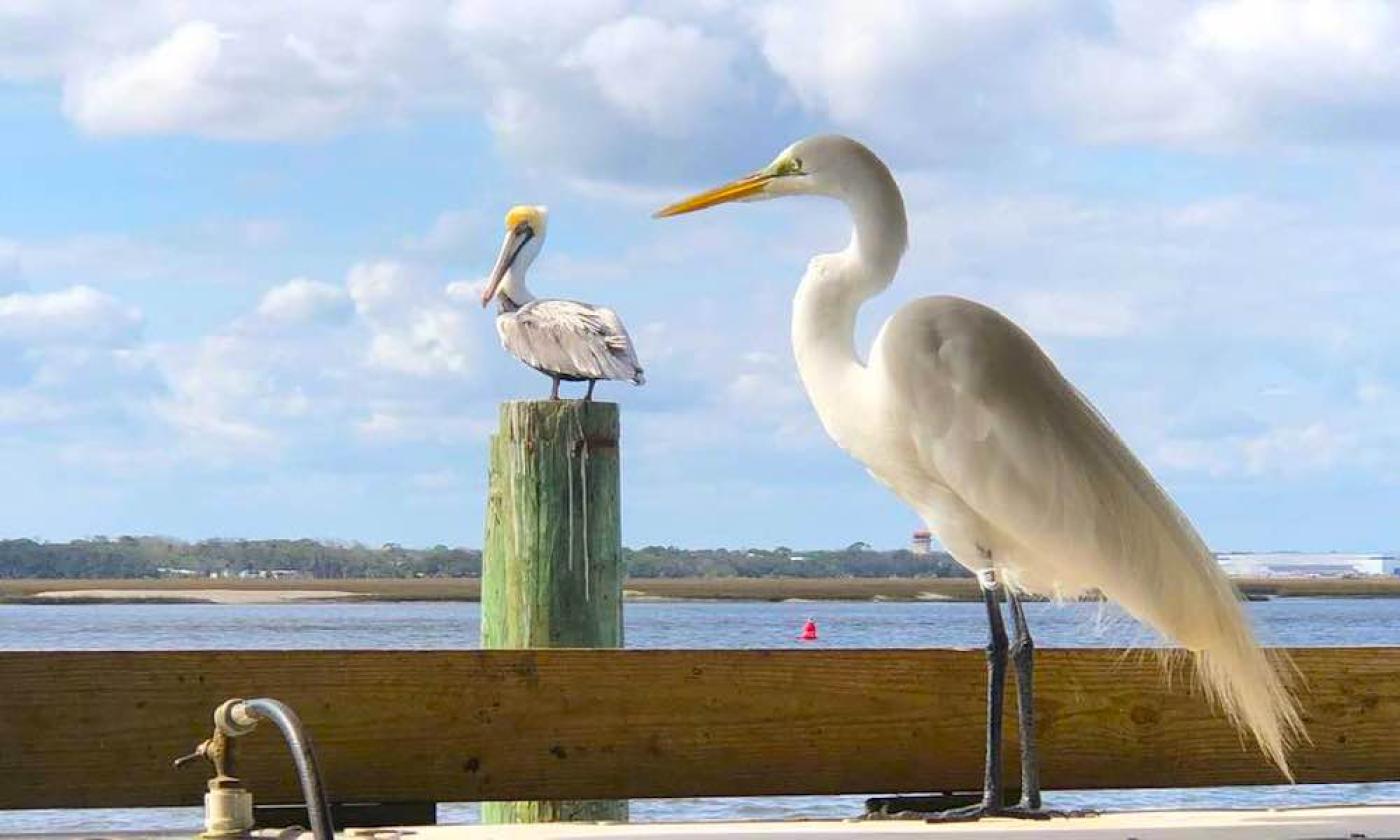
[{"x": 238, "y": 717}]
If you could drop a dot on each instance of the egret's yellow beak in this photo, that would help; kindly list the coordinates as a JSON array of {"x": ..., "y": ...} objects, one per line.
[{"x": 746, "y": 187}]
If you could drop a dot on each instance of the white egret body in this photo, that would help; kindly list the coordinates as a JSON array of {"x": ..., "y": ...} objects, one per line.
[
  {"x": 961, "y": 414},
  {"x": 563, "y": 339}
]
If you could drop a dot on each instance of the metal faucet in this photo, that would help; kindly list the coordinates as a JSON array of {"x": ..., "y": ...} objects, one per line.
[{"x": 228, "y": 807}]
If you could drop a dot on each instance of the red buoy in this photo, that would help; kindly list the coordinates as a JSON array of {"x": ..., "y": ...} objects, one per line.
[{"x": 809, "y": 631}]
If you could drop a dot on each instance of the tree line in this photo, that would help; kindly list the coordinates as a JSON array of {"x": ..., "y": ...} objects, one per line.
[{"x": 155, "y": 557}]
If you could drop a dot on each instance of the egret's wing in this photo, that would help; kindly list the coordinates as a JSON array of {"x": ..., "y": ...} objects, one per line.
[
  {"x": 1019, "y": 445},
  {"x": 1064, "y": 499},
  {"x": 565, "y": 336}
]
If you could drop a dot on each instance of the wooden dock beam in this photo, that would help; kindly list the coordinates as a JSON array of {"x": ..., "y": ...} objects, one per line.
[
  {"x": 552, "y": 563},
  {"x": 97, "y": 729}
]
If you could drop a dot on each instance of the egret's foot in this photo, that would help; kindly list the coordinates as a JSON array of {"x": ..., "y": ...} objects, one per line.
[
  {"x": 971, "y": 813},
  {"x": 968, "y": 813},
  {"x": 1026, "y": 812}
]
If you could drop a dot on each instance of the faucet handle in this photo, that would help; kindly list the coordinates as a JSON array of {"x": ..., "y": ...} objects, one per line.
[
  {"x": 201, "y": 751},
  {"x": 217, "y": 750}
]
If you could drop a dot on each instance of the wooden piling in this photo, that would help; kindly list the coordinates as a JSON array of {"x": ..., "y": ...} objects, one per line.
[{"x": 552, "y": 562}]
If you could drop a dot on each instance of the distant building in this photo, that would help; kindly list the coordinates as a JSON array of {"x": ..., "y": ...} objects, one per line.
[
  {"x": 1294, "y": 564},
  {"x": 922, "y": 542}
]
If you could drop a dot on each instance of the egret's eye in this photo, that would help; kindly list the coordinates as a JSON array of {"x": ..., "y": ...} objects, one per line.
[{"x": 790, "y": 166}]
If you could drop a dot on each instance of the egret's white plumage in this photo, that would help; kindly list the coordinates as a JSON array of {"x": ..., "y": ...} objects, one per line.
[
  {"x": 563, "y": 339},
  {"x": 965, "y": 418}
]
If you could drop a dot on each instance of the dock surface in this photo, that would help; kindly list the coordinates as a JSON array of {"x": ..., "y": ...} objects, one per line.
[
  {"x": 1364, "y": 822},
  {"x": 1343, "y": 823}
]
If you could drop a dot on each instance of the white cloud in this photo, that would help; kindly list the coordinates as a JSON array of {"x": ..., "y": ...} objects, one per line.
[
  {"x": 1309, "y": 448},
  {"x": 465, "y": 292},
  {"x": 1178, "y": 289},
  {"x": 415, "y": 329},
  {"x": 104, "y": 257},
  {"x": 666, "y": 77},
  {"x": 1078, "y": 314},
  {"x": 261, "y": 233},
  {"x": 450, "y": 231},
  {"x": 404, "y": 422},
  {"x": 303, "y": 301},
  {"x": 396, "y": 369},
  {"x": 429, "y": 343},
  {"x": 164, "y": 88},
  {"x": 911, "y": 75},
  {"x": 590, "y": 89},
  {"x": 27, "y": 408},
  {"x": 251, "y": 72},
  {"x": 78, "y": 315},
  {"x": 763, "y": 388},
  {"x": 596, "y": 89},
  {"x": 72, "y": 362},
  {"x": 1235, "y": 72}
]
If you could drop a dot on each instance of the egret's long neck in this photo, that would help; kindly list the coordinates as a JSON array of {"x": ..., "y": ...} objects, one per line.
[{"x": 831, "y": 294}]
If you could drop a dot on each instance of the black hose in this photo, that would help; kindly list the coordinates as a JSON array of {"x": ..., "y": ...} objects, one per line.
[{"x": 318, "y": 809}]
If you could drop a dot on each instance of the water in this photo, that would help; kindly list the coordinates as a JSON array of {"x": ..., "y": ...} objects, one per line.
[{"x": 692, "y": 624}]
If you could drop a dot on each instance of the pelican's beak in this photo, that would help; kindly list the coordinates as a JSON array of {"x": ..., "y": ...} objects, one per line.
[
  {"x": 510, "y": 249},
  {"x": 750, "y": 186}
]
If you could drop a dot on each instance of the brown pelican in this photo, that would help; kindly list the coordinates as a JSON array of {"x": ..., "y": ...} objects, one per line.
[
  {"x": 563, "y": 339},
  {"x": 960, "y": 413}
]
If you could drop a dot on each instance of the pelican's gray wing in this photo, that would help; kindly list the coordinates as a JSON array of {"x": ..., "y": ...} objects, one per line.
[{"x": 571, "y": 339}]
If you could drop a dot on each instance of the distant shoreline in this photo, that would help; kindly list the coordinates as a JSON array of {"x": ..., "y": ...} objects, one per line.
[{"x": 260, "y": 591}]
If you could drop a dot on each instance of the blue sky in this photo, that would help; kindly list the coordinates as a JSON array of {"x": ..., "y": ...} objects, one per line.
[{"x": 239, "y": 243}]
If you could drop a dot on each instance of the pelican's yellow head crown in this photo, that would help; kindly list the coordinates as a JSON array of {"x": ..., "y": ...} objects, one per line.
[{"x": 533, "y": 214}]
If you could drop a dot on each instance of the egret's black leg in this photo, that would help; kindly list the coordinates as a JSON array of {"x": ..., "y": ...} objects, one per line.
[
  {"x": 996, "y": 696},
  {"x": 554, "y": 391},
  {"x": 588, "y": 397},
  {"x": 1022, "y": 652},
  {"x": 996, "y": 683},
  {"x": 1023, "y": 658}
]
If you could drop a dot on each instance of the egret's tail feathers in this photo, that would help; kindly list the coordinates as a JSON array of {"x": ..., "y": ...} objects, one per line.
[
  {"x": 1252, "y": 687},
  {"x": 1196, "y": 605},
  {"x": 1154, "y": 564}
]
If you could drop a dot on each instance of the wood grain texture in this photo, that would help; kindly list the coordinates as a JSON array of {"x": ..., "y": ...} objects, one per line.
[
  {"x": 552, "y": 563},
  {"x": 89, "y": 729}
]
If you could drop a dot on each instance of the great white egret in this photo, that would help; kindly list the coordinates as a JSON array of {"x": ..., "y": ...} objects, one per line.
[
  {"x": 563, "y": 339},
  {"x": 965, "y": 418}
]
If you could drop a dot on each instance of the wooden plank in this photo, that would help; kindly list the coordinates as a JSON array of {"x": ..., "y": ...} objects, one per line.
[
  {"x": 552, "y": 563},
  {"x": 88, "y": 729}
]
